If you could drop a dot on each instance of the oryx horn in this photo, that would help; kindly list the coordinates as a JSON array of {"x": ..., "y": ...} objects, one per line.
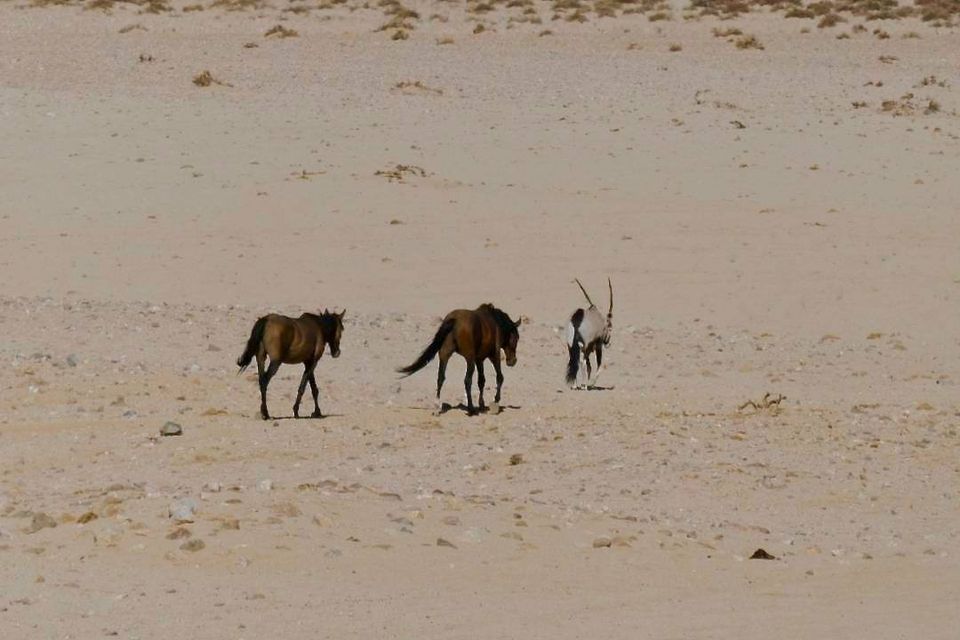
[
  {"x": 610, "y": 284},
  {"x": 585, "y": 294}
]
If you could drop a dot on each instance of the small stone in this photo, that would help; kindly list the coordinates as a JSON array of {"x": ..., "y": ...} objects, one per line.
[
  {"x": 761, "y": 554},
  {"x": 183, "y": 511},
  {"x": 231, "y": 524},
  {"x": 441, "y": 542},
  {"x": 171, "y": 429},
  {"x": 179, "y": 533},
  {"x": 41, "y": 521},
  {"x": 213, "y": 487},
  {"x": 265, "y": 485},
  {"x": 516, "y": 459},
  {"x": 602, "y": 543},
  {"x": 71, "y": 360},
  {"x": 453, "y": 521},
  {"x": 620, "y": 541},
  {"x": 193, "y": 545},
  {"x": 89, "y": 516}
]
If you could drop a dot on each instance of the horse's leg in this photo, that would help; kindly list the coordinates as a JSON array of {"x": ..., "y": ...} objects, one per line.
[
  {"x": 307, "y": 367},
  {"x": 468, "y": 386},
  {"x": 316, "y": 394},
  {"x": 481, "y": 381},
  {"x": 444, "y": 355},
  {"x": 496, "y": 367},
  {"x": 264, "y": 381}
]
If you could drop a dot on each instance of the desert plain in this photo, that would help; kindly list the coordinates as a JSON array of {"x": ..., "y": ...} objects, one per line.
[{"x": 771, "y": 187}]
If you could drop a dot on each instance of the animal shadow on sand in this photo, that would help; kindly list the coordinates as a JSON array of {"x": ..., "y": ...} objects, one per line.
[
  {"x": 446, "y": 406},
  {"x": 323, "y": 417}
]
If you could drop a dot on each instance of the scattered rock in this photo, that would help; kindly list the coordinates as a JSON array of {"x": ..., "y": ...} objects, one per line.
[
  {"x": 193, "y": 545},
  {"x": 40, "y": 521},
  {"x": 213, "y": 487},
  {"x": 171, "y": 429},
  {"x": 441, "y": 542},
  {"x": 231, "y": 524},
  {"x": 179, "y": 533},
  {"x": 265, "y": 485},
  {"x": 453, "y": 521},
  {"x": 602, "y": 543},
  {"x": 71, "y": 360},
  {"x": 761, "y": 554},
  {"x": 183, "y": 511},
  {"x": 89, "y": 516},
  {"x": 516, "y": 459}
]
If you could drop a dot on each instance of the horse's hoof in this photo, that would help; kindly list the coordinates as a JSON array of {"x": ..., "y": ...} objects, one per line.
[
  {"x": 316, "y": 414},
  {"x": 265, "y": 416}
]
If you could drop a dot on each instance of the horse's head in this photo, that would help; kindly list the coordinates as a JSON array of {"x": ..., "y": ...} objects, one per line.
[
  {"x": 510, "y": 340},
  {"x": 332, "y": 330}
]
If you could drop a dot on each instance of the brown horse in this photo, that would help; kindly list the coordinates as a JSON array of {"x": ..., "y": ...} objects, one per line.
[
  {"x": 292, "y": 341},
  {"x": 476, "y": 335}
]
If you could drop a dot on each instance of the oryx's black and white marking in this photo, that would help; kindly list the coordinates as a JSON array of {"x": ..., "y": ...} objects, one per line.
[{"x": 588, "y": 332}]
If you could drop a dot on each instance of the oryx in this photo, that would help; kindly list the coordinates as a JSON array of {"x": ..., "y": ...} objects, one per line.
[{"x": 588, "y": 332}]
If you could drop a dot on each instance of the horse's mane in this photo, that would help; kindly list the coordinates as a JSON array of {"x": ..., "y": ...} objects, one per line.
[
  {"x": 503, "y": 320},
  {"x": 326, "y": 320}
]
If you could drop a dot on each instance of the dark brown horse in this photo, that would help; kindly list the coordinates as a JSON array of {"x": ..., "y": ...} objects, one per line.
[
  {"x": 292, "y": 341},
  {"x": 476, "y": 335}
]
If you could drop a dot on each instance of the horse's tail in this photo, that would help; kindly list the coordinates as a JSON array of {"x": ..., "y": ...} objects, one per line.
[
  {"x": 256, "y": 336},
  {"x": 573, "y": 348},
  {"x": 431, "y": 350}
]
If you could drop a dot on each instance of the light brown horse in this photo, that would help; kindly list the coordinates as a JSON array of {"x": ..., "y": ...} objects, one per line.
[
  {"x": 476, "y": 335},
  {"x": 292, "y": 341}
]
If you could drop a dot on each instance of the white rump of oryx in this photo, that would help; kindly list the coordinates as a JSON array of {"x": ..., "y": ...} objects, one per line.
[{"x": 588, "y": 332}]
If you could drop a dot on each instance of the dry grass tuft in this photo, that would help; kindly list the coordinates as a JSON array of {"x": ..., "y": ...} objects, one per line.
[
  {"x": 206, "y": 79},
  {"x": 748, "y": 42},
  {"x": 400, "y": 171},
  {"x": 281, "y": 32},
  {"x": 416, "y": 88}
]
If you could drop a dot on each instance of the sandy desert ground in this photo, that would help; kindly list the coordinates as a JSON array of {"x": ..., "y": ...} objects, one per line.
[{"x": 777, "y": 220}]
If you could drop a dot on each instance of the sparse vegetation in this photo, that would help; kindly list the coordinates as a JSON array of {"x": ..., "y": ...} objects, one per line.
[
  {"x": 748, "y": 42},
  {"x": 206, "y": 79},
  {"x": 280, "y": 31}
]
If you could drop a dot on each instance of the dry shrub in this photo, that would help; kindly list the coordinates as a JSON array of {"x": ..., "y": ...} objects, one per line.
[
  {"x": 748, "y": 42},
  {"x": 726, "y": 33},
  {"x": 830, "y": 20},
  {"x": 206, "y": 79}
]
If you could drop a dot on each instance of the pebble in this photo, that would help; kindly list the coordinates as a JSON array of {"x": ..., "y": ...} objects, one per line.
[
  {"x": 441, "y": 542},
  {"x": 193, "y": 545},
  {"x": 265, "y": 485},
  {"x": 170, "y": 428},
  {"x": 89, "y": 516},
  {"x": 602, "y": 543},
  {"x": 213, "y": 487},
  {"x": 71, "y": 360},
  {"x": 183, "y": 511},
  {"x": 41, "y": 521}
]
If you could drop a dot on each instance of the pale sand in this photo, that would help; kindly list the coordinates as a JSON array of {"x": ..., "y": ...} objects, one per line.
[{"x": 147, "y": 222}]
